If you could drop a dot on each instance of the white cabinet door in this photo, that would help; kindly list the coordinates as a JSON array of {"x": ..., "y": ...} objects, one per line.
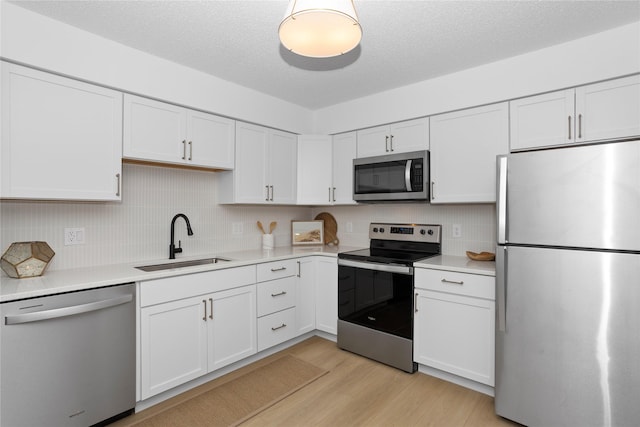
[
  {"x": 455, "y": 334},
  {"x": 464, "y": 146},
  {"x": 231, "y": 321},
  {"x": 327, "y": 294},
  {"x": 305, "y": 296},
  {"x": 373, "y": 141},
  {"x": 173, "y": 348},
  {"x": 210, "y": 140},
  {"x": 344, "y": 151},
  {"x": 265, "y": 169},
  {"x": 154, "y": 131},
  {"x": 61, "y": 138},
  {"x": 314, "y": 169},
  {"x": 542, "y": 120},
  {"x": 282, "y": 167},
  {"x": 608, "y": 110},
  {"x": 250, "y": 174},
  {"x": 410, "y": 135},
  {"x": 401, "y": 137}
]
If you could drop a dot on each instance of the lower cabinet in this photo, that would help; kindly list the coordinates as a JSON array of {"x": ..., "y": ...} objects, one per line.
[
  {"x": 184, "y": 338},
  {"x": 454, "y": 326},
  {"x": 326, "y": 293},
  {"x": 306, "y": 295}
]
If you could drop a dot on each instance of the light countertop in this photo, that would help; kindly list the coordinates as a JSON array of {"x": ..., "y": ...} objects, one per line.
[
  {"x": 77, "y": 279},
  {"x": 461, "y": 264}
]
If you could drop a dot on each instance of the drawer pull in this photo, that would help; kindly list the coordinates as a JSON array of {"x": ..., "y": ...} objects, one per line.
[
  {"x": 279, "y": 327},
  {"x": 211, "y": 305},
  {"x": 278, "y": 269},
  {"x": 453, "y": 281},
  {"x": 279, "y": 294},
  {"x": 204, "y": 302}
]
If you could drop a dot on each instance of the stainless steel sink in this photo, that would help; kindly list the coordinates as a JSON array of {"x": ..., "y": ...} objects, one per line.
[{"x": 181, "y": 264}]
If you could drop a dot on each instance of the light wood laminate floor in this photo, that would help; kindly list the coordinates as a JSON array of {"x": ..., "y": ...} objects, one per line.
[{"x": 359, "y": 392}]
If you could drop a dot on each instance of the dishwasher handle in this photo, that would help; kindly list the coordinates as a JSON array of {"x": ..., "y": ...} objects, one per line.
[{"x": 66, "y": 311}]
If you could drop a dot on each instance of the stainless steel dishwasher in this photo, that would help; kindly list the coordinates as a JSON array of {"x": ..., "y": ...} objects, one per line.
[{"x": 68, "y": 359}]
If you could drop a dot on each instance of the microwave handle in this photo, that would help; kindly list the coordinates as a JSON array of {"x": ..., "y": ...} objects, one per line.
[{"x": 407, "y": 175}]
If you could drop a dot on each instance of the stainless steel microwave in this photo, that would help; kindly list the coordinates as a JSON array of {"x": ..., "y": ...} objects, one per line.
[{"x": 391, "y": 177}]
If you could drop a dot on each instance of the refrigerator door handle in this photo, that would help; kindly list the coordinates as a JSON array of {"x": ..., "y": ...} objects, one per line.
[
  {"x": 501, "y": 287},
  {"x": 501, "y": 198}
]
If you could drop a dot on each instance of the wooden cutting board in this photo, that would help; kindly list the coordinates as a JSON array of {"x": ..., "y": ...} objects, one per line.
[{"x": 330, "y": 228}]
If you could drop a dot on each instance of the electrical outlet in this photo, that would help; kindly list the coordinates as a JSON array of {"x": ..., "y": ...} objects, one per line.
[
  {"x": 73, "y": 236},
  {"x": 456, "y": 230},
  {"x": 236, "y": 228},
  {"x": 349, "y": 227}
]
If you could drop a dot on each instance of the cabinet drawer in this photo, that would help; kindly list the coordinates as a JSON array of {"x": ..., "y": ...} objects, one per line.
[
  {"x": 276, "y": 295},
  {"x": 276, "y": 328},
  {"x": 276, "y": 270},
  {"x": 473, "y": 285},
  {"x": 174, "y": 288}
]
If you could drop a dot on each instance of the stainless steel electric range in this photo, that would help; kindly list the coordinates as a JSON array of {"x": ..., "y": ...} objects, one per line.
[{"x": 376, "y": 292}]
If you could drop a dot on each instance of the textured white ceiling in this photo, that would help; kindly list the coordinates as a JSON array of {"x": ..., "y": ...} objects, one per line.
[{"x": 403, "y": 41}]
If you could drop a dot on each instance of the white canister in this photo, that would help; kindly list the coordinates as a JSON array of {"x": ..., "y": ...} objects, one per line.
[{"x": 268, "y": 241}]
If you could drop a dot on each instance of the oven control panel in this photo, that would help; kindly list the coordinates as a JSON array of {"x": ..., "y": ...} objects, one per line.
[{"x": 409, "y": 232}]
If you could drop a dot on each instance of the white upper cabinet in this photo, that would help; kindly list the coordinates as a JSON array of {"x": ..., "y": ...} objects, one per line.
[
  {"x": 608, "y": 110},
  {"x": 464, "y": 146},
  {"x": 315, "y": 169},
  {"x": 159, "y": 132},
  {"x": 325, "y": 169},
  {"x": 402, "y": 137},
  {"x": 597, "y": 112},
  {"x": 265, "y": 170},
  {"x": 344, "y": 151},
  {"x": 61, "y": 138}
]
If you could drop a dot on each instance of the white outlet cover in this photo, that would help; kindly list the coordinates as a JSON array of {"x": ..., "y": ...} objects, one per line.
[{"x": 74, "y": 236}]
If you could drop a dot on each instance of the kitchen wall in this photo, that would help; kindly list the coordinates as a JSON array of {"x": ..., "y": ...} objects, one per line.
[{"x": 138, "y": 228}]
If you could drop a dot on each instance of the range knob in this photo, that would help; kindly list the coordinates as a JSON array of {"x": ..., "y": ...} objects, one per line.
[
  {"x": 375, "y": 229},
  {"x": 430, "y": 232},
  {"x": 423, "y": 232},
  {"x": 381, "y": 229}
]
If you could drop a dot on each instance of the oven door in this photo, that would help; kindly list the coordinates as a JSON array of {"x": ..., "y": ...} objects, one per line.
[{"x": 376, "y": 296}]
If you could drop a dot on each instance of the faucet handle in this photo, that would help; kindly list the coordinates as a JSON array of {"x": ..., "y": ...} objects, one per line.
[{"x": 178, "y": 249}]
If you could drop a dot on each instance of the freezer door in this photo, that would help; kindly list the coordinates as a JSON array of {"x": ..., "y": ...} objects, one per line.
[
  {"x": 577, "y": 197},
  {"x": 570, "y": 352}
]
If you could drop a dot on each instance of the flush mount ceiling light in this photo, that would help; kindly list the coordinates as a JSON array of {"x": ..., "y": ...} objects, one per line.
[{"x": 320, "y": 28}]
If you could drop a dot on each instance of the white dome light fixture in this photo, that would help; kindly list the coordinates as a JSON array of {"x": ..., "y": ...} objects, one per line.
[{"x": 320, "y": 28}]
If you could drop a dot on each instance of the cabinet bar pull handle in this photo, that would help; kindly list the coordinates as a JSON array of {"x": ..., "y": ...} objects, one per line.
[
  {"x": 433, "y": 194},
  {"x": 453, "y": 281},
  {"x": 204, "y": 302},
  {"x": 190, "y": 150},
  {"x": 579, "y": 126},
  {"x": 329, "y": 193},
  {"x": 184, "y": 149},
  {"x": 267, "y": 187},
  {"x": 279, "y": 294},
  {"x": 118, "y": 185},
  {"x": 391, "y": 142},
  {"x": 271, "y": 186},
  {"x": 386, "y": 143},
  {"x": 211, "y": 305},
  {"x": 569, "y": 127},
  {"x": 334, "y": 194},
  {"x": 298, "y": 269},
  {"x": 278, "y": 269},
  {"x": 279, "y": 327},
  {"x": 415, "y": 302}
]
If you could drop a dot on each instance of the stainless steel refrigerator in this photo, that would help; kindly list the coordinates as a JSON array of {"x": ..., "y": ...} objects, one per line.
[{"x": 568, "y": 286}]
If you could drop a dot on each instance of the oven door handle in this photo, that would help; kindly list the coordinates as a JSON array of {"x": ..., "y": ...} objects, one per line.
[{"x": 388, "y": 268}]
